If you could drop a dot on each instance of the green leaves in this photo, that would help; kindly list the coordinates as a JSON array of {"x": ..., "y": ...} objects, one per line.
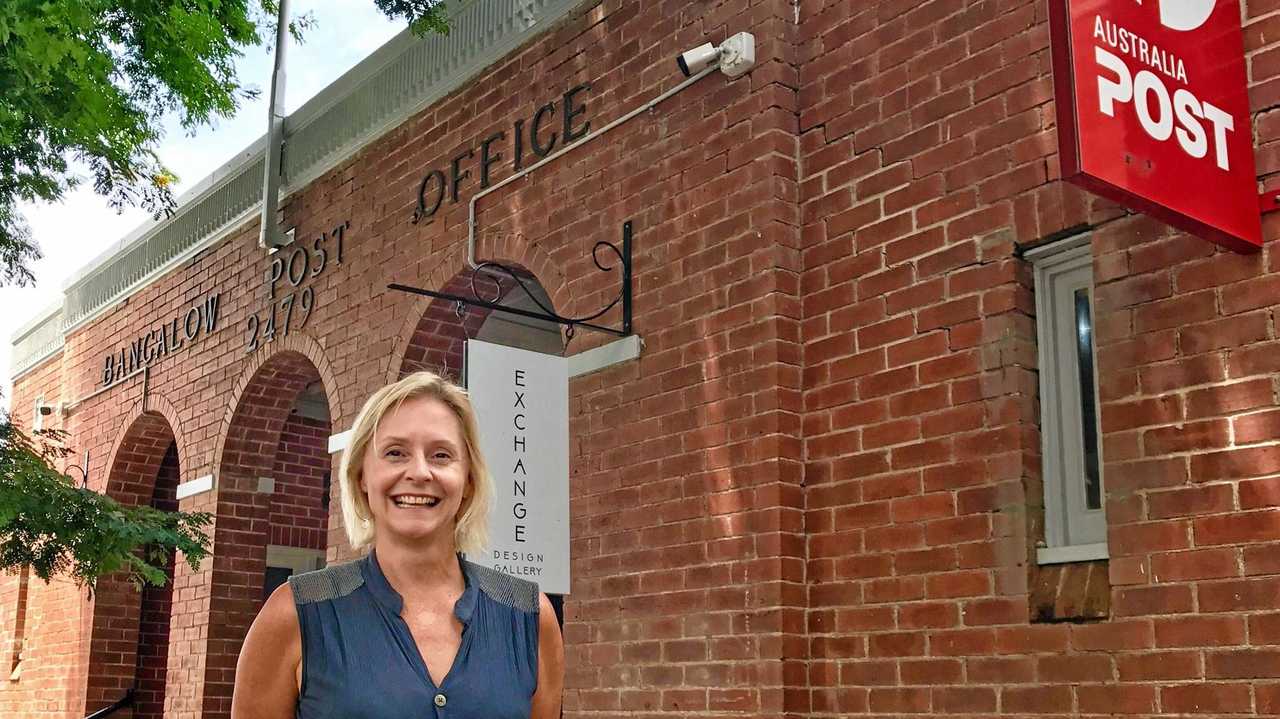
[
  {"x": 54, "y": 526},
  {"x": 424, "y": 16},
  {"x": 17, "y": 252},
  {"x": 92, "y": 80}
]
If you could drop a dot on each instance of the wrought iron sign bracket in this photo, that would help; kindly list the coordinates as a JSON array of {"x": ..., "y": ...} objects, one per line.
[{"x": 494, "y": 272}]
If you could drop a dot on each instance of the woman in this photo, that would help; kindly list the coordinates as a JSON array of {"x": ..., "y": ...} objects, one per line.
[{"x": 411, "y": 630}]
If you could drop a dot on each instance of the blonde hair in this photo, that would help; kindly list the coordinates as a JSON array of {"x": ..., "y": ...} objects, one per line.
[{"x": 471, "y": 531}]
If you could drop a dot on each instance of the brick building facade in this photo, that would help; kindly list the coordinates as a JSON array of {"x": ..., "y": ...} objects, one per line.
[{"x": 818, "y": 492}]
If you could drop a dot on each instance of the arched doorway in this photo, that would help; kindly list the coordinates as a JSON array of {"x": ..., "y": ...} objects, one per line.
[
  {"x": 300, "y": 487},
  {"x": 129, "y": 642},
  {"x": 272, "y": 517}
]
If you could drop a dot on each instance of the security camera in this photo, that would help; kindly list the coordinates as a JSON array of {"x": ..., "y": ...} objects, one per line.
[
  {"x": 735, "y": 56},
  {"x": 700, "y": 58},
  {"x": 45, "y": 410}
]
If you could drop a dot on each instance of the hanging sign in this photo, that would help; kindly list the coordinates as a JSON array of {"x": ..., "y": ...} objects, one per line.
[
  {"x": 1153, "y": 111},
  {"x": 521, "y": 399}
]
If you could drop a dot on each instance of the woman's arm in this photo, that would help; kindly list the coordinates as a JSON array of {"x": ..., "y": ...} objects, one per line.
[
  {"x": 546, "y": 700},
  {"x": 269, "y": 670}
]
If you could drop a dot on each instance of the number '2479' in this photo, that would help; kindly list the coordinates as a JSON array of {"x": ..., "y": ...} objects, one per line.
[
  {"x": 263, "y": 332},
  {"x": 294, "y": 265}
]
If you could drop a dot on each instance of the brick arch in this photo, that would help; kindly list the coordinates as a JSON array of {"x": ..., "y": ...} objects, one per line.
[
  {"x": 129, "y": 636},
  {"x": 247, "y": 449},
  {"x": 143, "y": 417},
  {"x": 294, "y": 343},
  {"x": 428, "y": 330}
]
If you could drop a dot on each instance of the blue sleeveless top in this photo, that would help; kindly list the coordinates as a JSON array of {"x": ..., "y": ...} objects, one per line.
[{"x": 359, "y": 660}]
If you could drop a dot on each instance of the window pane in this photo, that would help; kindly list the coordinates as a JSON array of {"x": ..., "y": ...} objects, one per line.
[{"x": 1088, "y": 406}]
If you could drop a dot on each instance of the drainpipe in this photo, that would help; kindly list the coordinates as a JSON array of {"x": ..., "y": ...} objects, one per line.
[{"x": 269, "y": 236}]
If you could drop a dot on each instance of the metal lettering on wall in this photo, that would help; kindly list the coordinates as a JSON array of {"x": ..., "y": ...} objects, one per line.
[
  {"x": 290, "y": 304},
  {"x": 200, "y": 319},
  {"x": 536, "y": 133}
]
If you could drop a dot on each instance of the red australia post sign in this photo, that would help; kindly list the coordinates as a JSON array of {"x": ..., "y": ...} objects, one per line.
[{"x": 1153, "y": 111}]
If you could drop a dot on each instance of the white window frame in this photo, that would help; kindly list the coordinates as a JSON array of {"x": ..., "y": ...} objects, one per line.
[
  {"x": 37, "y": 419},
  {"x": 1073, "y": 533}
]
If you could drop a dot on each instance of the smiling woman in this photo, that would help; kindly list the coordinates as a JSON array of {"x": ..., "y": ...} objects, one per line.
[
  {"x": 420, "y": 426},
  {"x": 441, "y": 630}
]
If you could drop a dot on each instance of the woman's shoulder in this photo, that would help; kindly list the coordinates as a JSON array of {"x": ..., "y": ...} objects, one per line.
[
  {"x": 505, "y": 589},
  {"x": 332, "y": 582},
  {"x": 278, "y": 618}
]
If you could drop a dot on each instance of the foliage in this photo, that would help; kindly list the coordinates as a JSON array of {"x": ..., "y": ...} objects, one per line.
[
  {"x": 87, "y": 84},
  {"x": 50, "y": 523},
  {"x": 424, "y": 16}
]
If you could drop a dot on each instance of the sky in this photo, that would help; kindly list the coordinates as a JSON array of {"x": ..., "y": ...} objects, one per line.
[{"x": 74, "y": 231}]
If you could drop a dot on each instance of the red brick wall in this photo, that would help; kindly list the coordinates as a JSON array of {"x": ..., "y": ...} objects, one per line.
[
  {"x": 685, "y": 465},
  {"x": 128, "y": 639},
  {"x": 51, "y": 682},
  {"x": 1190, "y": 410},
  {"x": 14, "y": 590},
  {"x": 927, "y": 133},
  {"x": 299, "y": 517},
  {"x": 146, "y": 455},
  {"x": 20, "y": 594}
]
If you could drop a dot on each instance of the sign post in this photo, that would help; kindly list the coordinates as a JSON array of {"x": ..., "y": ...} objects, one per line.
[
  {"x": 1153, "y": 111},
  {"x": 521, "y": 399}
]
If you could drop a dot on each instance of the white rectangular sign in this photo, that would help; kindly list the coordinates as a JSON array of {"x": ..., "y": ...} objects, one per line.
[{"x": 522, "y": 401}]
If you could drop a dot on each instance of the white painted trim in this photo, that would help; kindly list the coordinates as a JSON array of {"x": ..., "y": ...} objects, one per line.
[
  {"x": 299, "y": 559},
  {"x": 13, "y": 378},
  {"x": 266, "y": 485},
  {"x": 1051, "y": 253},
  {"x": 605, "y": 356},
  {"x": 188, "y": 201},
  {"x": 34, "y": 323},
  {"x": 37, "y": 341},
  {"x": 214, "y": 181},
  {"x": 1064, "y": 264},
  {"x": 339, "y": 441},
  {"x": 1073, "y": 553},
  {"x": 199, "y": 485},
  {"x": 158, "y": 274},
  {"x": 484, "y": 38}
]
